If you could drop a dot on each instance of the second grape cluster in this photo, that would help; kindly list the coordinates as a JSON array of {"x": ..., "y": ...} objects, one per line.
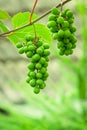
[{"x": 60, "y": 24}]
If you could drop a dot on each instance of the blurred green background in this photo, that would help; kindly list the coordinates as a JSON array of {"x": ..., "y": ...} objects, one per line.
[{"x": 62, "y": 105}]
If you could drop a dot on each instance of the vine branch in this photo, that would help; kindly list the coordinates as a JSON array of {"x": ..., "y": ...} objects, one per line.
[{"x": 46, "y": 13}]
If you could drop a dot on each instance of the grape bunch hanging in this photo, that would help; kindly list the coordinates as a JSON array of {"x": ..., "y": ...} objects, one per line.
[
  {"x": 38, "y": 53},
  {"x": 60, "y": 24}
]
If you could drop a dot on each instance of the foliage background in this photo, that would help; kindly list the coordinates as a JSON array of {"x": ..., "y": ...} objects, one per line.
[{"x": 62, "y": 105}]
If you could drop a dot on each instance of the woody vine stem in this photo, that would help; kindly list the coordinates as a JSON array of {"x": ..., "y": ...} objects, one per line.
[{"x": 31, "y": 23}]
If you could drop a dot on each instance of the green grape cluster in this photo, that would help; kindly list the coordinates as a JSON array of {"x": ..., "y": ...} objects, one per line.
[
  {"x": 61, "y": 25},
  {"x": 38, "y": 52}
]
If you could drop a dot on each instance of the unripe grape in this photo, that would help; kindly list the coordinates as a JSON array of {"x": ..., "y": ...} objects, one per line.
[
  {"x": 21, "y": 50},
  {"x": 60, "y": 33},
  {"x": 29, "y": 43},
  {"x": 19, "y": 45},
  {"x": 36, "y": 90},
  {"x": 69, "y": 45},
  {"x": 69, "y": 14},
  {"x": 31, "y": 48},
  {"x": 67, "y": 52},
  {"x": 46, "y": 46},
  {"x": 28, "y": 79},
  {"x": 39, "y": 81},
  {"x": 72, "y": 29},
  {"x": 31, "y": 66},
  {"x": 51, "y": 24},
  {"x": 73, "y": 46},
  {"x": 38, "y": 75},
  {"x": 55, "y": 36},
  {"x": 39, "y": 43},
  {"x": 60, "y": 44},
  {"x": 42, "y": 86},
  {"x": 65, "y": 24},
  {"x": 29, "y": 38},
  {"x": 52, "y": 17},
  {"x": 46, "y": 52},
  {"x": 42, "y": 60},
  {"x": 66, "y": 40},
  {"x": 62, "y": 51},
  {"x": 29, "y": 54},
  {"x": 45, "y": 64},
  {"x": 54, "y": 29},
  {"x": 46, "y": 58},
  {"x": 43, "y": 70},
  {"x": 25, "y": 49},
  {"x": 71, "y": 51},
  {"x": 38, "y": 66},
  {"x": 67, "y": 33},
  {"x": 32, "y": 82},
  {"x": 71, "y": 21},
  {"x": 40, "y": 50},
  {"x": 55, "y": 11},
  {"x": 60, "y": 20},
  {"x": 35, "y": 57},
  {"x": 46, "y": 75},
  {"x": 32, "y": 74}
]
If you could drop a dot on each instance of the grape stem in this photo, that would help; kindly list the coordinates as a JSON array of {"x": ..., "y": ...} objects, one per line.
[{"x": 36, "y": 20}]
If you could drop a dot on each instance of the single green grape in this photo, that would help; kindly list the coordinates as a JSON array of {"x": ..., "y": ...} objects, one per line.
[
  {"x": 35, "y": 57},
  {"x": 19, "y": 45},
  {"x": 54, "y": 29},
  {"x": 52, "y": 17},
  {"x": 39, "y": 43},
  {"x": 28, "y": 79},
  {"x": 60, "y": 20},
  {"x": 32, "y": 82},
  {"x": 51, "y": 24},
  {"x": 38, "y": 66},
  {"x": 69, "y": 14},
  {"x": 32, "y": 74},
  {"x": 60, "y": 33},
  {"x": 29, "y": 38},
  {"x": 31, "y": 66},
  {"x": 39, "y": 81},
  {"x": 42, "y": 86},
  {"x": 21, "y": 50},
  {"x": 67, "y": 33},
  {"x": 29, "y": 54},
  {"x": 42, "y": 60},
  {"x": 38, "y": 75},
  {"x": 46, "y": 45},
  {"x": 55, "y": 11},
  {"x": 65, "y": 24},
  {"x": 31, "y": 48},
  {"x": 55, "y": 36},
  {"x": 43, "y": 70},
  {"x": 60, "y": 44},
  {"x": 46, "y": 52},
  {"x": 40, "y": 50},
  {"x": 36, "y": 90}
]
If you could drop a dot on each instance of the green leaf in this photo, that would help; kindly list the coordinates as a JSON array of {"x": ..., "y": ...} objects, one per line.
[
  {"x": 41, "y": 31},
  {"x": 21, "y": 19},
  {"x": 3, "y": 28},
  {"x": 4, "y": 15}
]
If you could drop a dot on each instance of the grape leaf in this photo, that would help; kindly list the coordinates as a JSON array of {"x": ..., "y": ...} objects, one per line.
[
  {"x": 4, "y": 15},
  {"x": 21, "y": 19},
  {"x": 3, "y": 28},
  {"x": 41, "y": 31}
]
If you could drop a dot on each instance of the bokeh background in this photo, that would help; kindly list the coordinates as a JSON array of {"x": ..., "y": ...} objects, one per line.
[{"x": 62, "y": 105}]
